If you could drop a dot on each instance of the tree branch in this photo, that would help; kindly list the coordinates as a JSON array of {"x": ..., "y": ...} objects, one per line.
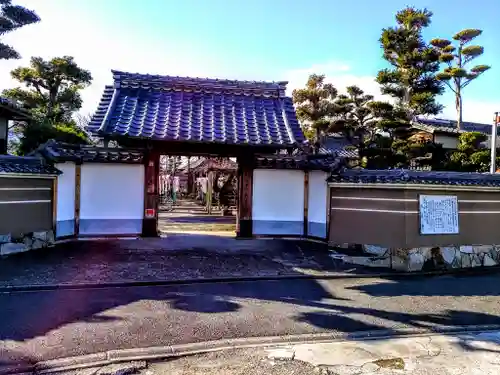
[{"x": 450, "y": 86}]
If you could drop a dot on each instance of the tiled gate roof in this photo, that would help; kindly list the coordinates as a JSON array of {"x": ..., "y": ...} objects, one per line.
[{"x": 197, "y": 110}]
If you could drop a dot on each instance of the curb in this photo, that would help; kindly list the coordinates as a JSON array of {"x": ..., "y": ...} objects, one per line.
[
  {"x": 216, "y": 280},
  {"x": 467, "y": 272},
  {"x": 172, "y": 351}
]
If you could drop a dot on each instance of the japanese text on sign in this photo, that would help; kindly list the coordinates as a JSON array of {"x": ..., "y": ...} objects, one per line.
[{"x": 438, "y": 214}]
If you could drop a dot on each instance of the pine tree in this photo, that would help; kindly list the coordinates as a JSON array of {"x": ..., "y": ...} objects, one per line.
[
  {"x": 455, "y": 75},
  {"x": 314, "y": 106},
  {"x": 12, "y": 17},
  {"x": 51, "y": 92},
  {"x": 411, "y": 80}
]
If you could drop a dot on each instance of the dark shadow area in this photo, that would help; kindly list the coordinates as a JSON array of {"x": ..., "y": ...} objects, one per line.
[
  {"x": 28, "y": 315},
  {"x": 297, "y": 306},
  {"x": 172, "y": 258},
  {"x": 428, "y": 287},
  {"x": 480, "y": 343},
  {"x": 346, "y": 324},
  {"x": 446, "y": 319},
  {"x": 203, "y": 304}
]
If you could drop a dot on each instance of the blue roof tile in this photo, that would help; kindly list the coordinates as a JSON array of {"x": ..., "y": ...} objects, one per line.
[
  {"x": 339, "y": 145},
  {"x": 15, "y": 109},
  {"x": 451, "y": 126},
  {"x": 26, "y": 165},
  {"x": 55, "y": 151},
  {"x": 403, "y": 176},
  {"x": 197, "y": 110}
]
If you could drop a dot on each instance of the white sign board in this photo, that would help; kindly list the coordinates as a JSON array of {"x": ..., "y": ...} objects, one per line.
[{"x": 438, "y": 214}]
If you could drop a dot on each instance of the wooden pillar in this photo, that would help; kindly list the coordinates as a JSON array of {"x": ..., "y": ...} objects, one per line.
[
  {"x": 78, "y": 186},
  {"x": 151, "y": 178},
  {"x": 210, "y": 191},
  {"x": 328, "y": 211},
  {"x": 245, "y": 190},
  {"x": 189, "y": 177},
  {"x": 306, "y": 203},
  {"x": 54, "y": 206}
]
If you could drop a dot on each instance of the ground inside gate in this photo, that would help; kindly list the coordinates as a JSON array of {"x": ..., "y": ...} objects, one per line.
[
  {"x": 189, "y": 216},
  {"x": 174, "y": 257}
]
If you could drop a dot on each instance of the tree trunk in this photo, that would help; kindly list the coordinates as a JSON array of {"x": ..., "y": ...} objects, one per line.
[
  {"x": 458, "y": 87},
  {"x": 458, "y": 106},
  {"x": 318, "y": 140}
]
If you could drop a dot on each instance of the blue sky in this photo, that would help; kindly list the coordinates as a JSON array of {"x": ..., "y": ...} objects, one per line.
[{"x": 258, "y": 39}]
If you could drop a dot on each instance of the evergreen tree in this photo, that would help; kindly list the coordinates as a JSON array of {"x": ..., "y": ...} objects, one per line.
[
  {"x": 314, "y": 106},
  {"x": 356, "y": 118},
  {"x": 13, "y": 17},
  {"x": 411, "y": 79},
  {"x": 471, "y": 154},
  {"x": 51, "y": 92},
  {"x": 455, "y": 75}
]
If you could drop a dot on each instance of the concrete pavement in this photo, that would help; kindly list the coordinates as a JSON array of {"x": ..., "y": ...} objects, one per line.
[
  {"x": 45, "y": 325},
  {"x": 418, "y": 355},
  {"x": 430, "y": 354}
]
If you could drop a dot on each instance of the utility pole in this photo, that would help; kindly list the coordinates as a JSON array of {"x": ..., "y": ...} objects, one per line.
[{"x": 493, "y": 167}]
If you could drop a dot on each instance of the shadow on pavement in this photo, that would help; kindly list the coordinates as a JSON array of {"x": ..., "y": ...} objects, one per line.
[
  {"x": 484, "y": 342},
  {"x": 359, "y": 306},
  {"x": 427, "y": 287},
  {"x": 28, "y": 315},
  {"x": 331, "y": 321},
  {"x": 164, "y": 259}
]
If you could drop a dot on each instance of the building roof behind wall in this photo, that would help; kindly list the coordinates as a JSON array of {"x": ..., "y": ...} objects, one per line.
[
  {"x": 166, "y": 108},
  {"x": 303, "y": 162},
  {"x": 216, "y": 164},
  {"x": 14, "y": 110},
  {"x": 450, "y": 126},
  {"x": 61, "y": 152},
  {"x": 401, "y": 176},
  {"x": 339, "y": 145},
  {"x": 25, "y": 165}
]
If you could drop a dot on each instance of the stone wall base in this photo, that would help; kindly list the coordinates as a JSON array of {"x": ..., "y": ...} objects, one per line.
[
  {"x": 425, "y": 258},
  {"x": 26, "y": 242}
]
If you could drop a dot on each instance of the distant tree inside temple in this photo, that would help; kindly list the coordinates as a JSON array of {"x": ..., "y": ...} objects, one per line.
[{"x": 314, "y": 106}]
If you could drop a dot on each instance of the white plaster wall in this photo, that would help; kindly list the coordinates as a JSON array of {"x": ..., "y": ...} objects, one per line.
[
  {"x": 111, "y": 191},
  {"x": 66, "y": 191},
  {"x": 317, "y": 209},
  {"x": 278, "y": 195},
  {"x": 487, "y": 143},
  {"x": 449, "y": 142}
]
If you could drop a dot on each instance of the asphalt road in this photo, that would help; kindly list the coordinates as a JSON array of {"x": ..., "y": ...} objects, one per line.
[{"x": 47, "y": 325}]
